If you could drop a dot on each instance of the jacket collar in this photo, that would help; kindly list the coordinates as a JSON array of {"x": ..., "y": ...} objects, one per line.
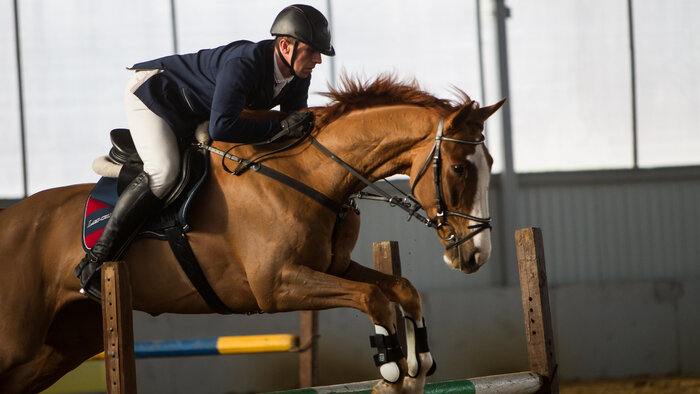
[{"x": 269, "y": 77}]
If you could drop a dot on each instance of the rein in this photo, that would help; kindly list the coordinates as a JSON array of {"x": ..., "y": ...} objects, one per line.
[
  {"x": 408, "y": 202},
  {"x": 278, "y": 176}
]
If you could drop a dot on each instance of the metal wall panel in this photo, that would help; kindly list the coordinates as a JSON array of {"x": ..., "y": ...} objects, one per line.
[{"x": 601, "y": 231}]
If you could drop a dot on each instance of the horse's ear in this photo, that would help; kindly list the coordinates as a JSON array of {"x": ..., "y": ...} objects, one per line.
[
  {"x": 462, "y": 115},
  {"x": 486, "y": 112},
  {"x": 473, "y": 112}
]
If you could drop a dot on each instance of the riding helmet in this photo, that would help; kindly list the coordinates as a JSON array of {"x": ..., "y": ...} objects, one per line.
[{"x": 306, "y": 24}]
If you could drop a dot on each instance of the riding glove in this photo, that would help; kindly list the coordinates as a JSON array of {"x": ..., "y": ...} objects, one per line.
[{"x": 298, "y": 124}]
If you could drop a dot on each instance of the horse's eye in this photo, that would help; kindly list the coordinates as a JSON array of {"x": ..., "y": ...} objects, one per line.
[{"x": 459, "y": 169}]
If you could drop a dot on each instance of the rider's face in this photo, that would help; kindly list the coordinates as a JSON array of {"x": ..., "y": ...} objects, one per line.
[{"x": 306, "y": 58}]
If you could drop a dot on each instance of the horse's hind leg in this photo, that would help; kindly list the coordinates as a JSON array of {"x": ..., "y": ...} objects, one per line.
[{"x": 74, "y": 336}]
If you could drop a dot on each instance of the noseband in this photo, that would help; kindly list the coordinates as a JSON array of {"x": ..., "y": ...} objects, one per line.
[{"x": 440, "y": 219}]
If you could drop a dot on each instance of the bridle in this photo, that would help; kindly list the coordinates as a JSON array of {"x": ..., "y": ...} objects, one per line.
[
  {"x": 410, "y": 204},
  {"x": 440, "y": 219}
]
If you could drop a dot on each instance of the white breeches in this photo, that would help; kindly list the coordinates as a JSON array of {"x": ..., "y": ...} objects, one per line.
[{"x": 153, "y": 138}]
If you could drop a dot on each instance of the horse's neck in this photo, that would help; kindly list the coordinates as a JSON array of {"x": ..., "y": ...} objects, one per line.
[{"x": 378, "y": 142}]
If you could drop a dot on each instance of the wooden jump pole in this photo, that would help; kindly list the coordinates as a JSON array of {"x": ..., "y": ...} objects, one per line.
[
  {"x": 117, "y": 323},
  {"x": 515, "y": 383},
  {"x": 216, "y": 346},
  {"x": 536, "y": 311}
]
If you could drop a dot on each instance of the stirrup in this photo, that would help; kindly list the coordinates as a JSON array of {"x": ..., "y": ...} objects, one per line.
[{"x": 88, "y": 287}]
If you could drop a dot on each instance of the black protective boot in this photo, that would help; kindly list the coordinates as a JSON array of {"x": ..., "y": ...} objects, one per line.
[{"x": 133, "y": 207}]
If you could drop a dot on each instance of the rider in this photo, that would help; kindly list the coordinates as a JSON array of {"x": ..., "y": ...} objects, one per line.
[{"x": 167, "y": 98}]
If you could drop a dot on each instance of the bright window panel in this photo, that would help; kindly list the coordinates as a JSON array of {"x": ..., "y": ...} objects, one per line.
[
  {"x": 433, "y": 42},
  {"x": 11, "y": 184},
  {"x": 222, "y": 21},
  {"x": 493, "y": 129},
  {"x": 74, "y": 57},
  {"x": 570, "y": 85},
  {"x": 667, "y": 52}
]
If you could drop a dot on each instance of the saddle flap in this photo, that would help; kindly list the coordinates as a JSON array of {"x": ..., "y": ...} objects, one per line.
[{"x": 194, "y": 168}]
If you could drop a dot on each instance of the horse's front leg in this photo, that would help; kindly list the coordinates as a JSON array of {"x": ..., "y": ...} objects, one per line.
[
  {"x": 401, "y": 291},
  {"x": 297, "y": 287}
]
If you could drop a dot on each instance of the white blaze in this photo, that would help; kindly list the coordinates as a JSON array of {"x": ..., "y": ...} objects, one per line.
[{"x": 482, "y": 241}]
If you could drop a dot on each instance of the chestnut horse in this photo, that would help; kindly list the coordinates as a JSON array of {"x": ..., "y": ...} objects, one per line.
[{"x": 262, "y": 245}]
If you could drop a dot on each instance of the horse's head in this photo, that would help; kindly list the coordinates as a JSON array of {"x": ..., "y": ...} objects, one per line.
[{"x": 451, "y": 181}]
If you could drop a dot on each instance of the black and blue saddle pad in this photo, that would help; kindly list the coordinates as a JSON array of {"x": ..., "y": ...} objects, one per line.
[{"x": 100, "y": 204}]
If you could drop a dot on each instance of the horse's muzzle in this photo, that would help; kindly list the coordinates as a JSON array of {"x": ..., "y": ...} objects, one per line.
[{"x": 465, "y": 258}]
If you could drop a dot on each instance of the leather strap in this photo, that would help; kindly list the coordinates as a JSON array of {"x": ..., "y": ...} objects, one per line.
[
  {"x": 278, "y": 176},
  {"x": 180, "y": 246},
  {"x": 421, "y": 335},
  {"x": 388, "y": 348},
  {"x": 298, "y": 186}
]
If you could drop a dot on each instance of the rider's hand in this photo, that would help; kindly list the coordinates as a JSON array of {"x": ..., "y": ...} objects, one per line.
[{"x": 297, "y": 124}]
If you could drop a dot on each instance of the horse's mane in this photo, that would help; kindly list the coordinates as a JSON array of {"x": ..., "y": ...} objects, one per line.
[{"x": 386, "y": 89}]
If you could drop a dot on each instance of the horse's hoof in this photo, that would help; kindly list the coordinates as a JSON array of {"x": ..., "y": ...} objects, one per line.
[{"x": 384, "y": 387}]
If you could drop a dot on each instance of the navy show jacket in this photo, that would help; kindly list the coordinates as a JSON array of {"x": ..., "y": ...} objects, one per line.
[{"x": 216, "y": 85}]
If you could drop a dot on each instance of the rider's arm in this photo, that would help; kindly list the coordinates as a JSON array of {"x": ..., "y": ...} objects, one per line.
[{"x": 233, "y": 84}]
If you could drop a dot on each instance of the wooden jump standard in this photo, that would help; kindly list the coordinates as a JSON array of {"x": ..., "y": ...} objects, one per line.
[
  {"x": 117, "y": 325},
  {"x": 542, "y": 378}
]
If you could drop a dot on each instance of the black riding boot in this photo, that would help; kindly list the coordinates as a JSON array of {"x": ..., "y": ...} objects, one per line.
[{"x": 131, "y": 211}]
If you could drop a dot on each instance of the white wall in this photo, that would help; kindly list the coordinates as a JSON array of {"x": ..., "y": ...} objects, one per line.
[{"x": 569, "y": 71}]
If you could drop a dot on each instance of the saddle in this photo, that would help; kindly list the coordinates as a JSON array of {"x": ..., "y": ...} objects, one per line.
[
  {"x": 194, "y": 166},
  {"x": 125, "y": 164},
  {"x": 118, "y": 169}
]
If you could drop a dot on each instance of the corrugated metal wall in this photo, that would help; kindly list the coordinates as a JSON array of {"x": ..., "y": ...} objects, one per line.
[
  {"x": 599, "y": 227},
  {"x": 616, "y": 226}
]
